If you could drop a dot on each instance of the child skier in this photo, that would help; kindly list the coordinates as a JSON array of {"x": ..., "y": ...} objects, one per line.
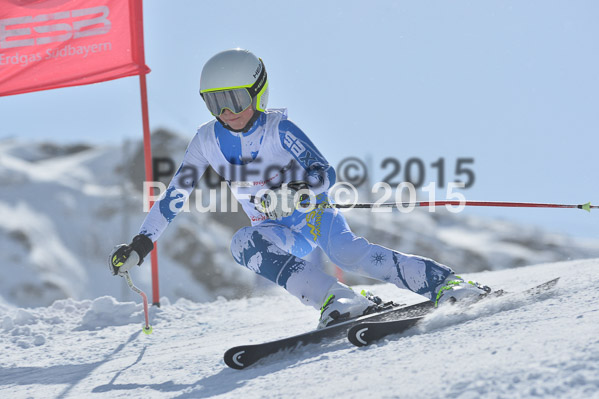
[{"x": 262, "y": 147}]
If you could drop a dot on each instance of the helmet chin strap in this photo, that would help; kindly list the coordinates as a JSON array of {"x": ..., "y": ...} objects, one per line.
[{"x": 244, "y": 129}]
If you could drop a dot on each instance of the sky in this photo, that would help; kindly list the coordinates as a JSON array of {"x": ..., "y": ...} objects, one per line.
[{"x": 511, "y": 85}]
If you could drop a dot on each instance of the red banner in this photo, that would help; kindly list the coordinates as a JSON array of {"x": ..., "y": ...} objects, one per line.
[{"x": 47, "y": 44}]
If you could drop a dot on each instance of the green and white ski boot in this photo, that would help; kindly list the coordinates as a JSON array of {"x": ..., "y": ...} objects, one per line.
[
  {"x": 455, "y": 289},
  {"x": 342, "y": 303}
]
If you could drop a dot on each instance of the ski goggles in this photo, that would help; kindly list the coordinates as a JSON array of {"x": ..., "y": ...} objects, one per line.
[{"x": 235, "y": 100}]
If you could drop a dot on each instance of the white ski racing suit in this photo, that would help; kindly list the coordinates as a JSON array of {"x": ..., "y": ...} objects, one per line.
[{"x": 275, "y": 151}]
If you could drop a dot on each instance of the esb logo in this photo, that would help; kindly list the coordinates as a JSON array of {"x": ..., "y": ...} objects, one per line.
[{"x": 63, "y": 26}]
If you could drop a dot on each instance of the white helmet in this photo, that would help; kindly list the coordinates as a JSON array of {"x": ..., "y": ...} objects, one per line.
[{"x": 234, "y": 79}]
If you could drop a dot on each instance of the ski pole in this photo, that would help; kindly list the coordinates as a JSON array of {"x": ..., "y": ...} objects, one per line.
[
  {"x": 147, "y": 328},
  {"x": 587, "y": 207}
]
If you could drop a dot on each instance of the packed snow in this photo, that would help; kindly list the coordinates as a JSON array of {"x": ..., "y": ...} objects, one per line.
[{"x": 508, "y": 347}]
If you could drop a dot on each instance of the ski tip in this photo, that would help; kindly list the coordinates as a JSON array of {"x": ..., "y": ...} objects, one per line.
[
  {"x": 235, "y": 358},
  {"x": 358, "y": 336}
]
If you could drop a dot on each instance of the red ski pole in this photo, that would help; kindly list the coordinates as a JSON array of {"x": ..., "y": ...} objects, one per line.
[
  {"x": 147, "y": 328},
  {"x": 587, "y": 207}
]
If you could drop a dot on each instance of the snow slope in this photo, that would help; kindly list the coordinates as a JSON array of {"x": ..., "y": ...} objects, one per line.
[{"x": 508, "y": 347}]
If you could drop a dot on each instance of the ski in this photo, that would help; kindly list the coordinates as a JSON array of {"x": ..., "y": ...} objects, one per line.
[
  {"x": 365, "y": 332},
  {"x": 240, "y": 357}
]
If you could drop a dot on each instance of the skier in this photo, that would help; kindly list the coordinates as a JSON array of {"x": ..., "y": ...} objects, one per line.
[{"x": 265, "y": 149}]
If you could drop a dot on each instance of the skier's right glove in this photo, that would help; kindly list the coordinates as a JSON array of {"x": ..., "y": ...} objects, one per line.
[{"x": 123, "y": 257}]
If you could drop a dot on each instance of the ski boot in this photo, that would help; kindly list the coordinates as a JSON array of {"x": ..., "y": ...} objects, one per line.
[
  {"x": 455, "y": 289},
  {"x": 342, "y": 303}
]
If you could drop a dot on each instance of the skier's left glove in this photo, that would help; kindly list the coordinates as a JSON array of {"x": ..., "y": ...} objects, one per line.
[
  {"x": 123, "y": 257},
  {"x": 282, "y": 202}
]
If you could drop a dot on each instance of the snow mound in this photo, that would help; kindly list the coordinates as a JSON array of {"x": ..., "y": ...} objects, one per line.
[
  {"x": 106, "y": 311},
  {"x": 513, "y": 346}
]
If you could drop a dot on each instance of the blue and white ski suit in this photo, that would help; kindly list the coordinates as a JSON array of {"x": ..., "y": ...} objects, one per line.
[{"x": 272, "y": 152}]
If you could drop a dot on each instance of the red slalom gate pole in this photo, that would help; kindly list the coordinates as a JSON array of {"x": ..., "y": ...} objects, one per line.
[
  {"x": 147, "y": 144},
  {"x": 587, "y": 207},
  {"x": 149, "y": 177}
]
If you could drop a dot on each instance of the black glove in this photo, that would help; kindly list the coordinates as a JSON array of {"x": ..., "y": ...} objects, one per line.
[{"x": 123, "y": 257}]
